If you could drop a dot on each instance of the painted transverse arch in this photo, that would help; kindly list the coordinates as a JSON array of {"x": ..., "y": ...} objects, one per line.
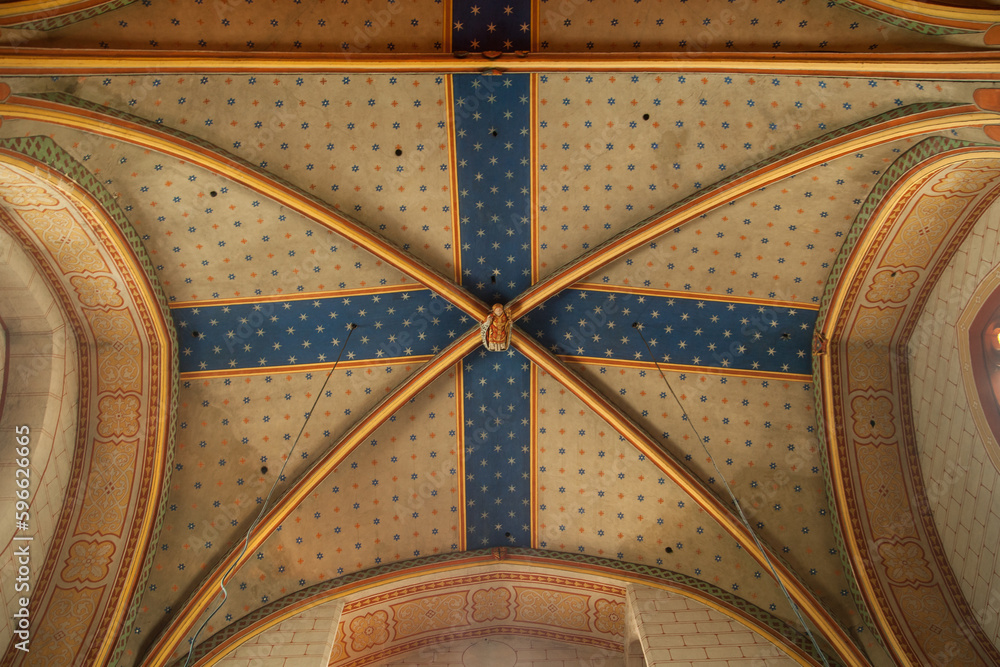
[
  {"x": 39, "y": 357},
  {"x": 399, "y": 610},
  {"x": 953, "y": 353},
  {"x": 922, "y": 210},
  {"x": 93, "y": 261}
]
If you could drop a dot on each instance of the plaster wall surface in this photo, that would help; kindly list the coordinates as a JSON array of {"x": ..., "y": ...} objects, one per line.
[
  {"x": 304, "y": 640},
  {"x": 676, "y": 630},
  {"x": 510, "y": 651},
  {"x": 959, "y": 476},
  {"x": 42, "y": 394}
]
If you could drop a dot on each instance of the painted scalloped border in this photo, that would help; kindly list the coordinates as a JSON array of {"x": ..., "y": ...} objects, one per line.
[
  {"x": 47, "y": 151},
  {"x": 923, "y": 150},
  {"x": 892, "y": 19},
  {"x": 800, "y": 640},
  {"x": 61, "y": 21}
]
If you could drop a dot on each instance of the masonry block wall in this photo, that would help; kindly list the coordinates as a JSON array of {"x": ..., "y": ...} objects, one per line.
[
  {"x": 41, "y": 392},
  {"x": 508, "y": 651},
  {"x": 681, "y": 632},
  {"x": 634, "y": 656},
  {"x": 305, "y": 640},
  {"x": 959, "y": 476}
]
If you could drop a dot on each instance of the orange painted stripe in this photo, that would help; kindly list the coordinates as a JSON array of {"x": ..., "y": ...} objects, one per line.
[
  {"x": 446, "y": 15},
  {"x": 297, "y": 296},
  {"x": 304, "y": 368},
  {"x": 460, "y": 419},
  {"x": 536, "y": 25},
  {"x": 533, "y": 455},
  {"x": 534, "y": 177},
  {"x": 695, "y": 296},
  {"x": 456, "y": 219},
  {"x": 684, "y": 368}
]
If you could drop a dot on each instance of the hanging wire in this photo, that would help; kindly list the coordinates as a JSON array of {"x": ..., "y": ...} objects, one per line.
[
  {"x": 267, "y": 500},
  {"x": 739, "y": 508}
]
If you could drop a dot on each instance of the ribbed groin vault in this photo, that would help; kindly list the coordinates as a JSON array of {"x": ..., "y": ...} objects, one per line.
[{"x": 736, "y": 404}]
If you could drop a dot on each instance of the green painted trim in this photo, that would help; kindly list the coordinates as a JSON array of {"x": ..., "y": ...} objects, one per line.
[
  {"x": 63, "y": 20},
  {"x": 86, "y": 105},
  {"x": 899, "y": 22}
]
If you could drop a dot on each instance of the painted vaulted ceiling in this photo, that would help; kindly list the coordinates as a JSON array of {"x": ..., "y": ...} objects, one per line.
[{"x": 762, "y": 225}]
